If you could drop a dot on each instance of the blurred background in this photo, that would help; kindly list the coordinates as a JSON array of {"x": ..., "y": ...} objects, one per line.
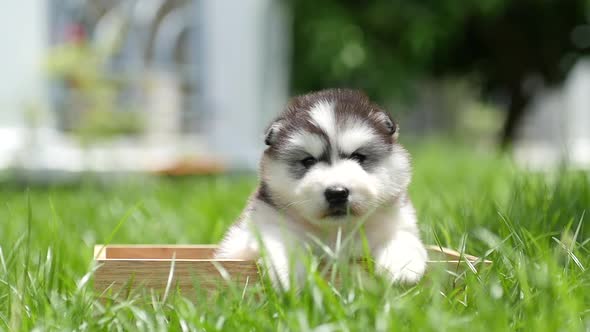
[
  {"x": 97, "y": 96},
  {"x": 187, "y": 87}
]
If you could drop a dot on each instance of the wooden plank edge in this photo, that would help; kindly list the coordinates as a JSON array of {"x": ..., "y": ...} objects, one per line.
[{"x": 100, "y": 252}]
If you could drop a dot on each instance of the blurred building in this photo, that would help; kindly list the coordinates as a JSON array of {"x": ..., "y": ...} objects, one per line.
[
  {"x": 555, "y": 130},
  {"x": 139, "y": 85}
]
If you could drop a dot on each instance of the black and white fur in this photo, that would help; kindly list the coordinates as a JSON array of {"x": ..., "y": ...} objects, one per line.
[{"x": 332, "y": 162}]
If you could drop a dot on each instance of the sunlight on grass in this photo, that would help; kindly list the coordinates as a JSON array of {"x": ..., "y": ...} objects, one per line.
[{"x": 534, "y": 228}]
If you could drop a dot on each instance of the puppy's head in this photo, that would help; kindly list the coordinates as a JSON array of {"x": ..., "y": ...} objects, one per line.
[{"x": 333, "y": 154}]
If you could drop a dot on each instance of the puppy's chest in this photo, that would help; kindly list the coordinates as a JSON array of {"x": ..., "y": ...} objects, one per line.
[
  {"x": 347, "y": 238},
  {"x": 343, "y": 241}
]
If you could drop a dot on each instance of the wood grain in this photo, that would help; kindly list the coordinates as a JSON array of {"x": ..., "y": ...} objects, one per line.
[
  {"x": 193, "y": 267},
  {"x": 187, "y": 275}
]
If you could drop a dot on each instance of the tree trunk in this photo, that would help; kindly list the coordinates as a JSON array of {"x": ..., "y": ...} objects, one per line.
[{"x": 516, "y": 110}]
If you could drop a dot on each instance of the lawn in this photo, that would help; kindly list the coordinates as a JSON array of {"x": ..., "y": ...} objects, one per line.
[{"x": 533, "y": 227}]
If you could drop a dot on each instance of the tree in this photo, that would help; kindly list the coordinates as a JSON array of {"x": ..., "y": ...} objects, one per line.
[{"x": 382, "y": 44}]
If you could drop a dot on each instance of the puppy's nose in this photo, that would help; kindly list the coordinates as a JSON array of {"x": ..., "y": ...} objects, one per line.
[{"x": 336, "y": 195}]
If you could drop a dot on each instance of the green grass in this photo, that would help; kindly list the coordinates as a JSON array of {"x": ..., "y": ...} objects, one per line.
[{"x": 533, "y": 227}]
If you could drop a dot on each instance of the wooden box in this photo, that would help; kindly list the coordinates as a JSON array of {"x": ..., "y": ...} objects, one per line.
[{"x": 184, "y": 266}]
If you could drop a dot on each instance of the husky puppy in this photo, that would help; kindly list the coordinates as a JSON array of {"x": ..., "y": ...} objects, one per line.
[{"x": 332, "y": 164}]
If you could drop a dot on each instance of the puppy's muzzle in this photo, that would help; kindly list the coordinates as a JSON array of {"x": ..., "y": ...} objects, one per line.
[
  {"x": 336, "y": 195},
  {"x": 337, "y": 198}
]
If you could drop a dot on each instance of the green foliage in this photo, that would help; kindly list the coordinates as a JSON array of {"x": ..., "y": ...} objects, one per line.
[
  {"x": 383, "y": 46},
  {"x": 534, "y": 228},
  {"x": 376, "y": 45}
]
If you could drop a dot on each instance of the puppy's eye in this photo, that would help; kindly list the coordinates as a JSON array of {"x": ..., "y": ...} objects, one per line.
[
  {"x": 358, "y": 157},
  {"x": 308, "y": 162}
]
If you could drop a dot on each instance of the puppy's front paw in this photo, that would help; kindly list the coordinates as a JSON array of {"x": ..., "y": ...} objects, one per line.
[
  {"x": 404, "y": 267},
  {"x": 277, "y": 272}
]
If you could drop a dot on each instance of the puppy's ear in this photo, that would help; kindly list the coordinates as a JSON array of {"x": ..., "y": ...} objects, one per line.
[
  {"x": 271, "y": 133},
  {"x": 386, "y": 120},
  {"x": 392, "y": 127}
]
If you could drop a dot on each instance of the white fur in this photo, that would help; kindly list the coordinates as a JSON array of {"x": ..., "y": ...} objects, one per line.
[
  {"x": 313, "y": 144},
  {"x": 322, "y": 114},
  {"x": 390, "y": 231},
  {"x": 378, "y": 197},
  {"x": 353, "y": 135},
  {"x": 349, "y": 136}
]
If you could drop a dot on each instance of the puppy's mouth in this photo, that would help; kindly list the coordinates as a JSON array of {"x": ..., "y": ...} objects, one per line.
[{"x": 339, "y": 211}]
